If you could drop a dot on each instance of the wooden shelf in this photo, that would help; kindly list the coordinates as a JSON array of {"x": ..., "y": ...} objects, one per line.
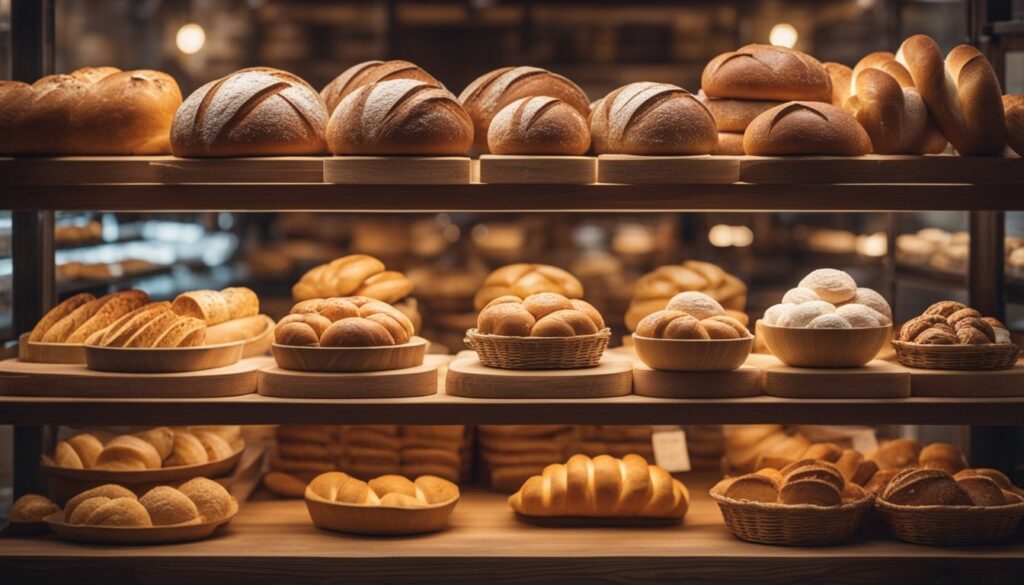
[{"x": 275, "y": 542}]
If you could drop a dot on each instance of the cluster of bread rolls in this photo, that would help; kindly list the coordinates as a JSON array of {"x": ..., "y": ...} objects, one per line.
[
  {"x": 691, "y": 315},
  {"x": 343, "y": 322},
  {"x": 917, "y": 486},
  {"x": 353, "y": 275},
  {"x": 393, "y": 491},
  {"x": 154, "y": 448},
  {"x": 539, "y": 315},
  {"x": 829, "y": 299},
  {"x": 196, "y": 501},
  {"x": 602, "y": 487},
  {"x": 804, "y": 482},
  {"x": 523, "y": 280},
  {"x": 953, "y": 323},
  {"x": 653, "y": 290}
]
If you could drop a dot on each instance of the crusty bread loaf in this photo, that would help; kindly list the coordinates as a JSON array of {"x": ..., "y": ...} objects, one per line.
[
  {"x": 343, "y": 322},
  {"x": 258, "y": 111},
  {"x": 353, "y": 275},
  {"x": 241, "y": 329},
  {"x": 1013, "y": 108},
  {"x": 766, "y": 72},
  {"x": 732, "y": 115},
  {"x": 368, "y": 73},
  {"x": 962, "y": 94},
  {"x": 649, "y": 118},
  {"x": 57, "y": 313},
  {"x": 543, "y": 314},
  {"x": 90, "y": 317},
  {"x": 806, "y": 128},
  {"x": 490, "y": 93},
  {"x": 539, "y": 125},
  {"x": 213, "y": 307},
  {"x": 730, "y": 143},
  {"x": 101, "y": 111},
  {"x": 654, "y": 290},
  {"x": 523, "y": 280},
  {"x": 841, "y": 78},
  {"x": 400, "y": 117}
]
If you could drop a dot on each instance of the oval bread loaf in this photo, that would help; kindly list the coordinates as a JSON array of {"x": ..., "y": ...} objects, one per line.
[
  {"x": 538, "y": 125},
  {"x": 648, "y": 118},
  {"x": 766, "y": 72},
  {"x": 806, "y": 128}
]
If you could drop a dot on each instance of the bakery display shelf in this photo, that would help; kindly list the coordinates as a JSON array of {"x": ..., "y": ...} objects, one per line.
[{"x": 275, "y": 541}]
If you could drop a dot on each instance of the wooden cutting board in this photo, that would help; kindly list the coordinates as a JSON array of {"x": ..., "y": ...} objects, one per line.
[
  {"x": 876, "y": 379},
  {"x": 420, "y": 380},
  {"x": 739, "y": 383},
  {"x": 523, "y": 169},
  {"x": 968, "y": 384},
  {"x": 469, "y": 378}
]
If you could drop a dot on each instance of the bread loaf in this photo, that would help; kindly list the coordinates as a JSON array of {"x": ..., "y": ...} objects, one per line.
[
  {"x": 648, "y": 118},
  {"x": 766, "y": 72},
  {"x": 78, "y": 318},
  {"x": 539, "y": 125},
  {"x": 539, "y": 315},
  {"x": 258, "y": 111},
  {"x": 1013, "y": 108},
  {"x": 490, "y": 93},
  {"x": 343, "y": 322},
  {"x": 841, "y": 78},
  {"x": 356, "y": 274},
  {"x": 31, "y": 509},
  {"x": 730, "y": 143},
  {"x": 99, "y": 111},
  {"x": 806, "y": 128},
  {"x": 523, "y": 280},
  {"x": 804, "y": 482},
  {"x": 57, "y": 313},
  {"x": 654, "y": 290},
  {"x": 733, "y": 115},
  {"x": 368, "y": 73}
]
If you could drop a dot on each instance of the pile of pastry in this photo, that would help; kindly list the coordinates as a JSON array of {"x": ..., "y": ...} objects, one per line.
[
  {"x": 804, "y": 482},
  {"x": 829, "y": 299},
  {"x": 691, "y": 315},
  {"x": 357, "y": 321},
  {"x": 155, "y": 448},
  {"x": 953, "y": 323},
  {"x": 394, "y": 491}
]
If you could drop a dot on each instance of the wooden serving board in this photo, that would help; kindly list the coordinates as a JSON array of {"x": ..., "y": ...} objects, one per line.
[
  {"x": 524, "y": 169},
  {"x": 968, "y": 384},
  {"x": 875, "y": 168},
  {"x": 75, "y": 381},
  {"x": 398, "y": 170},
  {"x": 420, "y": 380},
  {"x": 77, "y": 170},
  {"x": 739, "y": 383},
  {"x": 270, "y": 169},
  {"x": 467, "y": 377},
  {"x": 629, "y": 169},
  {"x": 876, "y": 379},
  {"x": 50, "y": 353}
]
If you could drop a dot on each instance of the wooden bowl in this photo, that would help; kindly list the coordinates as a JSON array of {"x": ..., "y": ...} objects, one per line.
[
  {"x": 693, "y": 355},
  {"x": 824, "y": 348},
  {"x": 140, "y": 360},
  {"x": 351, "y": 359},
  {"x": 377, "y": 520},
  {"x": 50, "y": 353},
  {"x": 123, "y": 535},
  {"x": 260, "y": 344}
]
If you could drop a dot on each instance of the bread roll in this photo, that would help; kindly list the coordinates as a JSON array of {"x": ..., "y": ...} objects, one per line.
[
  {"x": 538, "y": 125},
  {"x": 167, "y": 506},
  {"x": 653, "y": 290},
  {"x": 187, "y": 449},
  {"x": 109, "y": 490},
  {"x": 31, "y": 509},
  {"x": 539, "y": 315},
  {"x": 401, "y": 116},
  {"x": 1013, "y": 109},
  {"x": 258, "y": 111},
  {"x": 120, "y": 512},
  {"x": 648, "y": 118},
  {"x": 351, "y": 275},
  {"x": 735, "y": 115},
  {"x": 766, "y": 72},
  {"x": 211, "y": 499},
  {"x": 806, "y": 128},
  {"x": 523, "y": 280},
  {"x": 841, "y": 77},
  {"x": 730, "y": 143},
  {"x": 356, "y": 332},
  {"x": 128, "y": 453},
  {"x": 368, "y": 73},
  {"x": 490, "y": 93}
]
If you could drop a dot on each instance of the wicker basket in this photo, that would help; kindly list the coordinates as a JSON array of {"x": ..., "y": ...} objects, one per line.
[
  {"x": 996, "y": 356},
  {"x": 791, "y": 525},
  {"x": 952, "y": 525},
  {"x": 538, "y": 353}
]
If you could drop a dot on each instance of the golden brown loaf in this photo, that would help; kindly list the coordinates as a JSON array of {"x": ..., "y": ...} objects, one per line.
[
  {"x": 523, "y": 280},
  {"x": 368, "y": 73},
  {"x": 258, "y": 111},
  {"x": 804, "y": 482},
  {"x": 81, "y": 316},
  {"x": 31, "y": 509},
  {"x": 539, "y": 315},
  {"x": 400, "y": 116},
  {"x": 962, "y": 94},
  {"x": 765, "y": 72},
  {"x": 649, "y": 118},
  {"x": 806, "y": 128},
  {"x": 153, "y": 325},
  {"x": 393, "y": 491},
  {"x": 213, "y": 307},
  {"x": 353, "y": 275},
  {"x": 100, "y": 110},
  {"x": 490, "y": 93},
  {"x": 654, "y": 290},
  {"x": 1013, "y": 108},
  {"x": 151, "y": 449},
  {"x": 343, "y": 322},
  {"x": 539, "y": 125},
  {"x": 841, "y": 77},
  {"x": 730, "y": 143},
  {"x": 733, "y": 115}
]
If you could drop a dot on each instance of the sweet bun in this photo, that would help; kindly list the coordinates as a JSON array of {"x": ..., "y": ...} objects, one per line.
[
  {"x": 368, "y": 73},
  {"x": 538, "y": 125},
  {"x": 356, "y": 332},
  {"x": 167, "y": 506},
  {"x": 805, "y": 127},
  {"x": 120, "y": 512},
  {"x": 829, "y": 321},
  {"x": 647, "y": 118},
  {"x": 655, "y": 289},
  {"x": 109, "y": 490},
  {"x": 564, "y": 323},
  {"x": 128, "y": 453},
  {"x": 695, "y": 303},
  {"x": 831, "y": 285},
  {"x": 350, "y": 275},
  {"x": 766, "y": 72},
  {"x": 210, "y": 498},
  {"x": 187, "y": 450}
]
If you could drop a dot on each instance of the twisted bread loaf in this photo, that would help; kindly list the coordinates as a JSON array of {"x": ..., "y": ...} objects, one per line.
[
  {"x": 538, "y": 125},
  {"x": 353, "y": 275},
  {"x": 523, "y": 280},
  {"x": 806, "y": 128},
  {"x": 258, "y": 111},
  {"x": 652, "y": 119},
  {"x": 765, "y": 72},
  {"x": 539, "y": 315},
  {"x": 344, "y": 322},
  {"x": 368, "y": 73},
  {"x": 100, "y": 110},
  {"x": 654, "y": 290},
  {"x": 387, "y": 490},
  {"x": 1013, "y": 108},
  {"x": 602, "y": 487}
]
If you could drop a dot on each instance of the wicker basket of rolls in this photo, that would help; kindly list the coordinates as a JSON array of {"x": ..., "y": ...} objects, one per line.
[{"x": 953, "y": 336}]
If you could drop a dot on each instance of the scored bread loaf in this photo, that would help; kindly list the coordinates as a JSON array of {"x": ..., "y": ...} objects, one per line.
[
  {"x": 766, "y": 72},
  {"x": 258, "y": 111},
  {"x": 94, "y": 110},
  {"x": 649, "y": 118},
  {"x": 806, "y": 128},
  {"x": 1013, "y": 108},
  {"x": 523, "y": 280},
  {"x": 539, "y": 315},
  {"x": 57, "y": 313},
  {"x": 352, "y": 275},
  {"x": 368, "y": 73},
  {"x": 539, "y": 125},
  {"x": 343, "y": 322},
  {"x": 733, "y": 115}
]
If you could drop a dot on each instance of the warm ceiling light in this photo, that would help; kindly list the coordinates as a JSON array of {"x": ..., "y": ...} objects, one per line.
[
  {"x": 783, "y": 35},
  {"x": 720, "y": 236},
  {"x": 742, "y": 236},
  {"x": 190, "y": 38}
]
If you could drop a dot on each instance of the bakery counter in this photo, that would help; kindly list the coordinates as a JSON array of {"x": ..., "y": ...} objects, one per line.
[{"x": 275, "y": 542}]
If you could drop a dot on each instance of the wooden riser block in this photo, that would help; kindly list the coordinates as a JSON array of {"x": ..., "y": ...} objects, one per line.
[
  {"x": 521, "y": 169},
  {"x": 76, "y": 170},
  {"x": 398, "y": 170},
  {"x": 962, "y": 384},
  {"x": 467, "y": 377},
  {"x": 653, "y": 170},
  {"x": 876, "y": 168},
  {"x": 271, "y": 169},
  {"x": 876, "y": 379},
  {"x": 421, "y": 380},
  {"x": 739, "y": 383}
]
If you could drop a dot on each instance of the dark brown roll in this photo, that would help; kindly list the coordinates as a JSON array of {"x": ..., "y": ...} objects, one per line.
[
  {"x": 735, "y": 115},
  {"x": 841, "y": 77},
  {"x": 400, "y": 117},
  {"x": 811, "y": 128},
  {"x": 258, "y": 111},
  {"x": 765, "y": 72},
  {"x": 1013, "y": 107},
  {"x": 490, "y": 93},
  {"x": 538, "y": 125},
  {"x": 649, "y": 118},
  {"x": 730, "y": 143},
  {"x": 370, "y": 72}
]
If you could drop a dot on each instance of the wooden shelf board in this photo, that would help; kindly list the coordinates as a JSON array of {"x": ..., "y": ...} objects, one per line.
[{"x": 274, "y": 541}]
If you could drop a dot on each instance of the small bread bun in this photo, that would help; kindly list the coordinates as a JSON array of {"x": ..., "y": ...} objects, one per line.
[
  {"x": 942, "y": 456},
  {"x": 697, "y": 304},
  {"x": 649, "y": 118},
  {"x": 356, "y": 332},
  {"x": 1013, "y": 109},
  {"x": 211, "y": 499},
  {"x": 754, "y": 487},
  {"x": 564, "y": 323},
  {"x": 187, "y": 450},
  {"x": 108, "y": 490},
  {"x": 167, "y": 506},
  {"x": 806, "y": 128},
  {"x": 831, "y": 285},
  {"x": 733, "y": 115},
  {"x": 539, "y": 315},
  {"x": 542, "y": 304},
  {"x": 538, "y": 125},
  {"x": 368, "y": 73},
  {"x": 842, "y": 81},
  {"x": 510, "y": 319},
  {"x": 523, "y": 280},
  {"x": 128, "y": 453},
  {"x": 31, "y": 509},
  {"x": 810, "y": 491},
  {"x": 121, "y": 512},
  {"x": 766, "y": 72}
]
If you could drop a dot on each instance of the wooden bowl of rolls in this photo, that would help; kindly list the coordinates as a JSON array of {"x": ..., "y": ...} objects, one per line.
[{"x": 692, "y": 333}]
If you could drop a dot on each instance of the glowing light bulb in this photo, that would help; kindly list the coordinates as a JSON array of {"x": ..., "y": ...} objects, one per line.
[
  {"x": 783, "y": 35},
  {"x": 742, "y": 236},
  {"x": 720, "y": 236},
  {"x": 190, "y": 38}
]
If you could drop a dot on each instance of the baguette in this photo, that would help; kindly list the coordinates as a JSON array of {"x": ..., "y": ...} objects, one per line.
[
  {"x": 242, "y": 302},
  {"x": 57, "y": 313},
  {"x": 64, "y": 328},
  {"x": 121, "y": 330},
  {"x": 236, "y": 330},
  {"x": 117, "y": 305},
  {"x": 180, "y": 330},
  {"x": 208, "y": 306}
]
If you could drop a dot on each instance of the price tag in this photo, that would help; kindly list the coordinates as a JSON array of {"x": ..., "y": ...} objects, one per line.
[{"x": 670, "y": 450}]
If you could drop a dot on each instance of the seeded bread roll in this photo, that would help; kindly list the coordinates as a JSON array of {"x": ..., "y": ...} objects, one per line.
[
  {"x": 1013, "y": 108},
  {"x": 733, "y": 115},
  {"x": 368, "y": 73},
  {"x": 128, "y": 453},
  {"x": 648, "y": 118},
  {"x": 166, "y": 505},
  {"x": 765, "y": 72},
  {"x": 538, "y": 125},
  {"x": 806, "y": 128}
]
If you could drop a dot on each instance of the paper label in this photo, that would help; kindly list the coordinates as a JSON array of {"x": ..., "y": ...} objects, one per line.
[{"x": 670, "y": 450}]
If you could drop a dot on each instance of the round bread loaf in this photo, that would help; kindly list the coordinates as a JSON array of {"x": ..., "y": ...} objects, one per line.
[
  {"x": 730, "y": 143},
  {"x": 766, "y": 72},
  {"x": 647, "y": 118},
  {"x": 490, "y": 93},
  {"x": 401, "y": 116},
  {"x": 735, "y": 115},
  {"x": 368, "y": 73},
  {"x": 258, "y": 111},
  {"x": 538, "y": 125},
  {"x": 806, "y": 128},
  {"x": 962, "y": 94},
  {"x": 841, "y": 78},
  {"x": 1013, "y": 108}
]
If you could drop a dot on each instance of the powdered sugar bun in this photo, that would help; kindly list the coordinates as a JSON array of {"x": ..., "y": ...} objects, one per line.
[
  {"x": 834, "y": 286},
  {"x": 861, "y": 316},
  {"x": 775, "y": 313},
  {"x": 873, "y": 300},
  {"x": 829, "y": 321},
  {"x": 698, "y": 304},
  {"x": 800, "y": 295},
  {"x": 801, "y": 315}
]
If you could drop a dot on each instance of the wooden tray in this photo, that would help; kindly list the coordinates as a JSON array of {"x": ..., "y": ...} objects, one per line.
[
  {"x": 968, "y": 384},
  {"x": 76, "y": 170},
  {"x": 260, "y": 345},
  {"x": 876, "y": 379},
  {"x": 693, "y": 355},
  {"x": 639, "y": 170},
  {"x": 824, "y": 348},
  {"x": 351, "y": 359},
  {"x": 526, "y": 169},
  {"x": 19, "y": 378},
  {"x": 875, "y": 168},
  {"x": 421, "y": 380},
  {"x": 140, "y": 360},
  {"x": 270, "y": 169},
  {"x": 739, "y": 383},
  {"x": 398, "y": 170},
  {"x": 469, "y": 378},
  {"x": 50, "y": 353},
  {"x": 119, "y": 535},
  {"x": 378, "y": 520}
]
